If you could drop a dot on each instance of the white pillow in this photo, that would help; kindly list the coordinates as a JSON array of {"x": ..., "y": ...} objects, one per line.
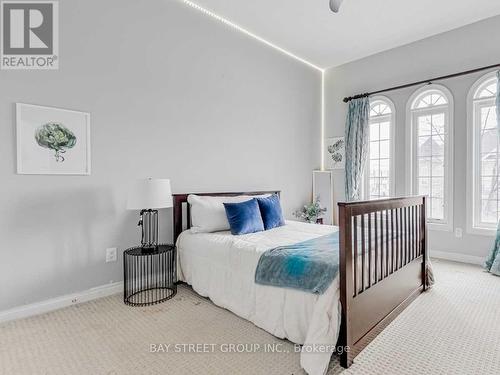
[{"x": 208, "y": 213}]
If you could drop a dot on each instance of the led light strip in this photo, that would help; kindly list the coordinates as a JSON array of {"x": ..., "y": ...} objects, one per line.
[
  {"x": 322, "y": 146},
  {"x": 249, "y": 33},
  {"x": 272, "y": 45}
]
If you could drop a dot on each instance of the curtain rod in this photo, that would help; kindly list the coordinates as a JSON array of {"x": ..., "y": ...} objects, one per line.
[{"x": 428, "y": 81}]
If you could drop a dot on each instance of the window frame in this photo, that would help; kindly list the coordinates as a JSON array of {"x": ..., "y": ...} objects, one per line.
[
  {"x": 411, "y": 158},
  {"x": 366, "y": 177},
  {"x": 473, "y": 162}
]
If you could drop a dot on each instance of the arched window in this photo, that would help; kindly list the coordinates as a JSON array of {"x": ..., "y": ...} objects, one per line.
[
  {"x": 378, "y": 172},
  {"x": 430, "y": 118},
  {"x": 483, "y": 154}
]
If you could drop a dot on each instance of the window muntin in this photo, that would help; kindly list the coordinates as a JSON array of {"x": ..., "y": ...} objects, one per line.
[
  {"x": 430, "y": 117},
  {"x": 379, "y": 165},
  {"x": 486, "y": 179},
  {"x": 430, "y": 99}
]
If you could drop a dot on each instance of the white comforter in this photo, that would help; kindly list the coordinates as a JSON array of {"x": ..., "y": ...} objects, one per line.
[{"x": 222, "y": 267}]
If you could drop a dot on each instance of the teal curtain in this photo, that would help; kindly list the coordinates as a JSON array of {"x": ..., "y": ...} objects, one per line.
[
  {"x": 356, "y": 145},
  {"x": 492, "y": 263}
]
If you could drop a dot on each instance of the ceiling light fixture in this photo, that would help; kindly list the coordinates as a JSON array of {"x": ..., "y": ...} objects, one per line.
[{"x": 335, "y": 5}]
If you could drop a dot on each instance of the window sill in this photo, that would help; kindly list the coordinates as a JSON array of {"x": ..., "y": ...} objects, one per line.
[
  {"x": 444, "y": 227},
  {"x": 482, "y": 231}
]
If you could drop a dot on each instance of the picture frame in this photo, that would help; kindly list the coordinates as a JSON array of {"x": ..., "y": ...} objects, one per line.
[
  {"x": 52, "y": 141},
  {"x": 335, "y": 153}
]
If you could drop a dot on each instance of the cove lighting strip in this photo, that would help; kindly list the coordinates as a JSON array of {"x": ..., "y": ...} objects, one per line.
[
  {"x": 272, "y": 45},
  {"x": 322, "y": 146},
  {"x": 249, "y": 33}
]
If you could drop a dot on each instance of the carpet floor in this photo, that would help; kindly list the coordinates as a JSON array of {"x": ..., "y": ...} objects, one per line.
[{"x": 452, "y": 329}]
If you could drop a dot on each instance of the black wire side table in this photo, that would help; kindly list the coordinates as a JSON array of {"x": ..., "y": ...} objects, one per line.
[{"x": 150, "y": 275}]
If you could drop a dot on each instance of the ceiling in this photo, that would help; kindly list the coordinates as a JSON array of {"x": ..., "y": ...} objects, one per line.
[{"x": 308, "y": 29}]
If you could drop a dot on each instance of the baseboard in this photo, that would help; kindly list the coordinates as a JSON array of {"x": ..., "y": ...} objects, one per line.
[
  {"x": 457, "y": 257},
  {"x": 114, "y": 288},
  {"x": 60, "y": 302}
]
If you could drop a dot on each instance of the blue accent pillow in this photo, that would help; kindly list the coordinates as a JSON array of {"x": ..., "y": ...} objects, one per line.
[
  {"x": 270, "y": 209},
  {"x": 244, "y": 217}
]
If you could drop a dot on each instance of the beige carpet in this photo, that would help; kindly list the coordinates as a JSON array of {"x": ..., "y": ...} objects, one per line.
[{"x": 452, "y": 329}]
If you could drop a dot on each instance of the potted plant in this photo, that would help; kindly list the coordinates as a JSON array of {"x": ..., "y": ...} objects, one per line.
[{"x": 311, "y": 212}]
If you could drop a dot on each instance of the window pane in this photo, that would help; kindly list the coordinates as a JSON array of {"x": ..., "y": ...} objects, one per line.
[
  {"x": 374, "y": 132},
  {"x": 489, "y": 166},
  {"x": 374, "y": 185},
  {"x": 486, "y": 155},
  {"x": 431, "y": 149},
  {"x": 424, "y": 146},
  {"x": 488, "y": 89},
  {"x": 424, "y": 166},
  {"x": 424, "y": 125},
  {"x": 489, "y": 212},
  {"x": 489, "y": 187},
  {"x": 374, "y": 168},
  {"x": 437, "y": 167},
  {"x": 437, "y": 209},
  {"x": 488, "y": 117},
  {"x": 489, "y": 139},
  {"x": 385, "y": 130},
  {"x": 385, "y": 149},
  {"x": 378, "y": 165},
  {"x": 374, "y": 150},
  {"x": 437, "y": 187},
  {"x": 384, "y": 109},
  {"x": 384, "y": 187},
  {"x": 437, "y": 145},
  {"x": 438, "y": 99},
  {"x": 424, "y": 186},
  {"x": 438, "y": 123},
  {"x": 379, "y": 108},
  {"x": 430, "y": 98},
  {"x": 384, "y": 168}
]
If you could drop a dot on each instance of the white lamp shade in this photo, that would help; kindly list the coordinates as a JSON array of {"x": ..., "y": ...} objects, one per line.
[{"x": 151, "y": 193}]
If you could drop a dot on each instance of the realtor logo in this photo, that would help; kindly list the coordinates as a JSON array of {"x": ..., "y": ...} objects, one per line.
[{"x": 29, "y": 37}]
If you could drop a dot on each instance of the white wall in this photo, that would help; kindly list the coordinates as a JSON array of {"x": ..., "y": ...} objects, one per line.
[
  {"x": 172, "y": 93},
  {"x": 466, "y": 48}
]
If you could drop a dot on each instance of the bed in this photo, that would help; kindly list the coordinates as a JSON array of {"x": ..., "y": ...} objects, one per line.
[{"x": 381, "y": 270}]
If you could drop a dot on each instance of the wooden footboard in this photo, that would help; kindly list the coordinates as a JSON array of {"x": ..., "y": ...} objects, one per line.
[{"x": 382, "y": 266}]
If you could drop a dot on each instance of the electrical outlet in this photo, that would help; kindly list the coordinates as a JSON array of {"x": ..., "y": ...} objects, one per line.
[
  {"x": 458, "y": 232},
  {"x": 111, "y": 254}
]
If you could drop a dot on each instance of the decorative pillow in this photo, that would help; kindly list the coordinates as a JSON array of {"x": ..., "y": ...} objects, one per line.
[
  {"x": 208, "y": 214},
  {"x": 270, "y": 210},
  {"x": 244, "y": 217}
]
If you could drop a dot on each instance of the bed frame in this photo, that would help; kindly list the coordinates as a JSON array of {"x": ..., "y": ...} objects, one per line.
[{"x": 383, "y": 262}]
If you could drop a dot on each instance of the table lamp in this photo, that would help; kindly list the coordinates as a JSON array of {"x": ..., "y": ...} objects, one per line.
[{"x": 148, "y": 195}]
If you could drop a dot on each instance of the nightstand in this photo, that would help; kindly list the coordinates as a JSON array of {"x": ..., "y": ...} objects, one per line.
[{"x": 149, "y": 275}]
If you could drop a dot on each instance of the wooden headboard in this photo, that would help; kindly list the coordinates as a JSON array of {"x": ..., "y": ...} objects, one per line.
[{"x": 181, "y": 199}]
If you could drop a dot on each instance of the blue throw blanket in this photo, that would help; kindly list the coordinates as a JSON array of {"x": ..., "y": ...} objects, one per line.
[{"x": 310, "y": 266}]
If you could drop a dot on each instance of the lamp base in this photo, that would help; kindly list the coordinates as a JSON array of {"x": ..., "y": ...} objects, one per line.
[{"x": 149, "y": 229}]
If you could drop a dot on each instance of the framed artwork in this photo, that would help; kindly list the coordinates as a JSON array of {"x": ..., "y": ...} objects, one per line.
[
  {"x": 335, "y": 153},
  {"x": 52, "y": 140},
  {"x": 323, "y": 189}
]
